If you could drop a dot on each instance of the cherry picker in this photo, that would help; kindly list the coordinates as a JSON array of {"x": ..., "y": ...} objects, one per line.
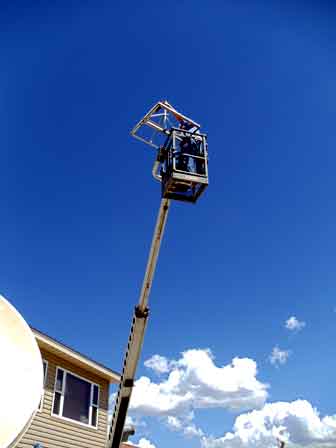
[{"x": 181, "y": 166}]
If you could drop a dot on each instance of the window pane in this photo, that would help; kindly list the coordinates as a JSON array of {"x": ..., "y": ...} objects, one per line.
[
  {"x": 57, "y": 403},
  {"x": 77, "y": 399},
  {"x": 44, "y": 372},
  {"x": 59, "y": 381},
  {"x": 94, "y": 416},
  {"x": 95, "y": 396}
]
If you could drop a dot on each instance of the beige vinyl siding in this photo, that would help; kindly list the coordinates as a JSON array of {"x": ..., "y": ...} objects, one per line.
[{"x": 53, "y": 431}]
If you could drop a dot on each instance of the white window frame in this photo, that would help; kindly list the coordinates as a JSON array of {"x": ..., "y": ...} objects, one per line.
[
  {"x": 62, "y": 392},
  {"x": 45, "y": 373}
]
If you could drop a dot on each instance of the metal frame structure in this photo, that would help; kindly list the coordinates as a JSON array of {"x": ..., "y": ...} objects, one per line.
[
  {"x": 178, "y": 180},
  {"x": 161, "y": 119},
  {"x": 159, "y": 125}
]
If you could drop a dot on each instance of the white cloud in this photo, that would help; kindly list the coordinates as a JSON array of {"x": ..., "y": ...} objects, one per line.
[
  {"x": 189, "y": 429},
  {"x": 145, "y": 443},
  {"x": 279, "y": 357},
  {"x": 174, "y": 423},
  {"x": 293, "y": 324},
  {"x": 195, "y": 382},
  {"x": 158, "y": 363},
  {"x": 297, "y": 423},
  {"x": 129, "y": 421},
  {"x": 193, "y": 431}
]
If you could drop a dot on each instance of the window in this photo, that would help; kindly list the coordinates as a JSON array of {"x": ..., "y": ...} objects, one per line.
[
  {"x": 75, "y": 398},
  {"x": 45, "y": 370}
]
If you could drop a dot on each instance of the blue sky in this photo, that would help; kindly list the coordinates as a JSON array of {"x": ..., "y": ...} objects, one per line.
[{"x": 79, "y": 204}]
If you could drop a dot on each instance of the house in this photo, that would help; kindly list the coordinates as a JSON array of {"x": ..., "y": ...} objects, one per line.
[{"x": 73, "y": 411}]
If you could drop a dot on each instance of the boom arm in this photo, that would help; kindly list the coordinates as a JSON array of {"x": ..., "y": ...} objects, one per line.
[{"x": 137, "y": 333}]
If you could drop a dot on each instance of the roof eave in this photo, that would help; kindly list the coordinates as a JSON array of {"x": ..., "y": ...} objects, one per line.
[{"x": 46, "y": 342}]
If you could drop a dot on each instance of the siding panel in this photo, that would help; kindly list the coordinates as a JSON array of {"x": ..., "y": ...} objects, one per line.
[{"x": 41, "y": 426}]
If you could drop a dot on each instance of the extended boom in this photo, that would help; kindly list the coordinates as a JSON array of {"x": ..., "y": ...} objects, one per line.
[{"x": 137, "y": 333}]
